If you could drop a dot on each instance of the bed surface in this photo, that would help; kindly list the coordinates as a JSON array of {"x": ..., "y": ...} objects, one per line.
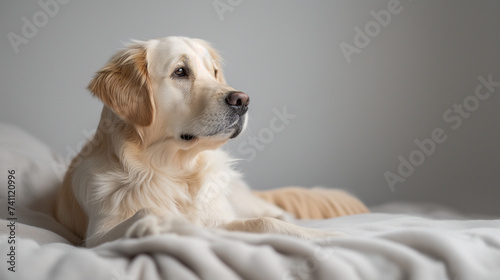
[{"x": 396, "y": 241}]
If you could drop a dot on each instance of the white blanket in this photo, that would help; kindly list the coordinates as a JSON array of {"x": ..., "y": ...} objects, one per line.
[
  {"x": 380, "y": 246},
  {"x": 424, "y": 243}
]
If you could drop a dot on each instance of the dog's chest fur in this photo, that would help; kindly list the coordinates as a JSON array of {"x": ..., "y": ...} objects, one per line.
[{"x": 198, "y": 193}]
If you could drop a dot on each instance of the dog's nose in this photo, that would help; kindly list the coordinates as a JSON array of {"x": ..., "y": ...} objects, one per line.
[{"x": 238, "y": 101}]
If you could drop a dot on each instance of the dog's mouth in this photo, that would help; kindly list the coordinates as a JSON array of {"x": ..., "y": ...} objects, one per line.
[
  {"x": 232, "y": 131},
  {"x": 237, "y": 130}
]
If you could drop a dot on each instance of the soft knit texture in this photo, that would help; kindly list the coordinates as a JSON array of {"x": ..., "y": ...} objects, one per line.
[{"x": 315, "y": 203}]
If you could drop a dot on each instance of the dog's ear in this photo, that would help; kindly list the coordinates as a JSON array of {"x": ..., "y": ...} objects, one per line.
[
  {"x": 123, "y": 85},
  {"x": 216, "y": 58}
]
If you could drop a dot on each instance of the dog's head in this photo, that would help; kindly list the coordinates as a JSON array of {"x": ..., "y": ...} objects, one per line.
[{"x": 172, "y": 88}]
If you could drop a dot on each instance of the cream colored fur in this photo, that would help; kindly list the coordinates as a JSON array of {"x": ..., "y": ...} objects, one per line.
[{"x": 138, "y": 176}]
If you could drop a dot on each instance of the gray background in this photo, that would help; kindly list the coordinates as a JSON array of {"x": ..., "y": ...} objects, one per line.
[{"x": 352, "y": 120}]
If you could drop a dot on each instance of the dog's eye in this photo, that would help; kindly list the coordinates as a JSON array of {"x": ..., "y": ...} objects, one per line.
[
  {"x": 180, "y": 72},
  {"x": 215, "y": 72}
]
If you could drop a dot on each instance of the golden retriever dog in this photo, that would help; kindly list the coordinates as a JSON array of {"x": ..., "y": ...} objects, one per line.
[{"x": 154, "y": 161}]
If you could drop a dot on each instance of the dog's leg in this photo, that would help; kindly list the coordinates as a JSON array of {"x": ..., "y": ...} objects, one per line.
[
  {"x": 248, "y": 205},
  {"x": 272, "y": 225},
  {"x": 152, "y": 222},
  {"x": 147, "y": 221}
]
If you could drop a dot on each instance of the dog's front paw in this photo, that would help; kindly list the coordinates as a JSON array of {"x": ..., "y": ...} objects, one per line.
[
  {"x": 154, "y": 223},
  {"x": 149, "y": 225}
]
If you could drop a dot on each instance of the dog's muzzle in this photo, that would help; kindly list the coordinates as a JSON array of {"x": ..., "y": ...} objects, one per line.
[{"x": 235, "y": 121}]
